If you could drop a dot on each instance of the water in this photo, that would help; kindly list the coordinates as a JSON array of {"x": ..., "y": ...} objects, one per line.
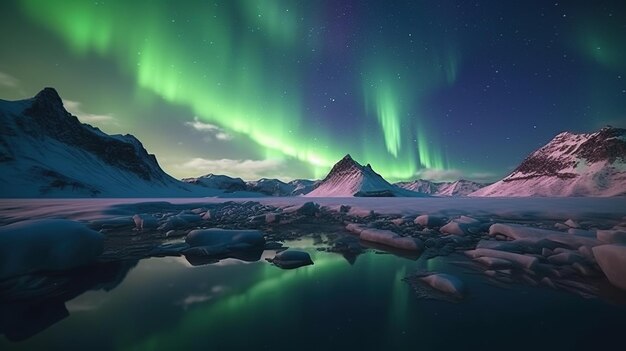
[{"x": 164, "y": 303}]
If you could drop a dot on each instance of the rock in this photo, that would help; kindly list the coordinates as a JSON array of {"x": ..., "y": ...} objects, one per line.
[
  {"x": 272, "y": 218},
  {"x": 306, "y": 209},
  {"x": 612, "y": 260},
  {"x": 429, "y": 221},
  {"x": 224, "y": 238},
  {"x": 548, "y": 282},
  {"x": 46, "y": 244},
  {"x": 522, "y": 261},
  {"x": 398, "y": 221},
  {"x": 145, "y": 222},
  {"x": 612, "y": 236},
  {"x": 545, "y": 252},
  {"x": 583, "y": 269},
  {"x": 291, "y": 259},
  {"x": 447, "y": 284},
  {"x": 355, "y": 228}
]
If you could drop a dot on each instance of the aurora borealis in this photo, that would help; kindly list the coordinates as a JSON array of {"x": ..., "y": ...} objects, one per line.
[{"x": 284, "y": 89}]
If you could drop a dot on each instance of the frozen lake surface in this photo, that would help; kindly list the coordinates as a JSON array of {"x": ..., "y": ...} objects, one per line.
[{"x": 147, "y": 292}]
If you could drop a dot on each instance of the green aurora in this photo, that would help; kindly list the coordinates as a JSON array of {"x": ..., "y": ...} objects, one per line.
[{"x": 236, "y": 66}]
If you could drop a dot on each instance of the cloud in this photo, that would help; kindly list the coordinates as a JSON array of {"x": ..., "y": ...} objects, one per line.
[
  {"x": 74, "y": 108},
  {"x": 208, "y": 128},
  {"x": 8, "y": 81},
  {"x": 246, "y": 169},
  {"x": 453, "y": 175}
]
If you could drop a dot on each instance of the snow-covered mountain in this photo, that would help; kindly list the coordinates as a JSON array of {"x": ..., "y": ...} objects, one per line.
[
  {"x": 460, "y": 187},
  {"x": 569, "y": 165},
  {"x": 420, "y": 185},
  {"x": 348, "y": 178},
  {"x": 220, "y": 182},
  {"x": 47, "y": 152}
]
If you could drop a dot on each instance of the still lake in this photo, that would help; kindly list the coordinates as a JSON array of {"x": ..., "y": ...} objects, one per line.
[{"x": 167, "y": 304}]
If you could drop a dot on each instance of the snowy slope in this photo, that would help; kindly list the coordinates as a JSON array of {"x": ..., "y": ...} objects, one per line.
[
  {"x": 217, "y": 181},
  {"x": 348, "y": 178},
  {"x": 47, "y": 152},
  {"x": 420, "y": 185},
  {"x": 460, "y": 187},
  {"x": 570, "y": 165}
]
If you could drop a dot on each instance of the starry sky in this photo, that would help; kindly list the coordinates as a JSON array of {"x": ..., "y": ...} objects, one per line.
[{"x": 267, "y": 88}]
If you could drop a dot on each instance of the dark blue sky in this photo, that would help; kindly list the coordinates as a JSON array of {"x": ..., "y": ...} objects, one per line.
[{"x": 438, "y": 89}]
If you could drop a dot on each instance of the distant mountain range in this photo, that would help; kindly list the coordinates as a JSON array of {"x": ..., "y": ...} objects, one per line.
[
  {"x": 460, "y": 187},
  {"x": 47, "y": 152}
]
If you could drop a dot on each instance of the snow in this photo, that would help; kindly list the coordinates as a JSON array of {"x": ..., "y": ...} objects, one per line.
[
  {"x": 348, "y": 178},
  {"x": 559, "y": 170},
  {"x": 46, "y": 244},
  {"x": 612, "y": 261}
]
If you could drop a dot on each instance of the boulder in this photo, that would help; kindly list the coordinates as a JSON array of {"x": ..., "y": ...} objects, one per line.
[{"x": 612, "y": 260}]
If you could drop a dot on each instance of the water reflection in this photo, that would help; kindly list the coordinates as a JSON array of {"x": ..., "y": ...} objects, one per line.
[{"x": 32, "y": 303}]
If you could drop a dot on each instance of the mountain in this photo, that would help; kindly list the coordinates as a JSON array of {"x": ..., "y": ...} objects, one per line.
[
  {"x": 47, "y": 152},
  {"x": 220, "y": 182},
  {"x": 569, "y": 165},
  {"x": 303, "y": 186},
  {"x": 420, "y": 185},
  {"x": 348, "y": 178},
  {"x": 460, "y": 187}
]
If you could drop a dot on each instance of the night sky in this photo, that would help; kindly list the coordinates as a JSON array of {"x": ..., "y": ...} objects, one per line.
[{"x": 264, "y": 88}]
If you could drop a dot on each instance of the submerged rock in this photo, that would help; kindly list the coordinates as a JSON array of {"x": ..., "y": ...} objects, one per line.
[
  {"x": 224, "y": 238},
  {"x": 522, "y": 261},
  {"x": 447, "y": 284},
  {"x": 291, "y": 259},
  {"x": 46, "y": 244}
]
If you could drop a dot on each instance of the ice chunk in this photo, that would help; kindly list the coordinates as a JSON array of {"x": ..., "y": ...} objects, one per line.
[
  {"x": 565, "y": 258},
  {"x": 446, "y": 283},
  {"x": 46, "y": 244},
  {"x": 389, "y": 238},
  {"x": 291, "y": 259},
  {"x": 306, "y": 209},
  {"x": 429, "y": 221},
  {"x": 522, "y": 261},
  {"x": 452, "y": 228},
  {"x": 612, "y": 236},
  {"x": 571, "y": 223},
  {"x": 612, "y": 260},
  {"x": 515, "y": 231},
  {"x": 495, "y": 263}
]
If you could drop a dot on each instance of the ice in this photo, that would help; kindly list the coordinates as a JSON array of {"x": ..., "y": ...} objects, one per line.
[
  {"x": 612, "y": 260},
  {"x": 429, "y": 221},
  {"x": 522, "y": 261},
  {"x": 536, "y": 235},
  {"x": 612, "y": 236},
  {"x": 385, "y": 237},
  {"x": 446, "y": 283},
  {"x": 291, "y": 259},
  {"x": 495, "y": 263},
  {"x": 46, "y": 244}
]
